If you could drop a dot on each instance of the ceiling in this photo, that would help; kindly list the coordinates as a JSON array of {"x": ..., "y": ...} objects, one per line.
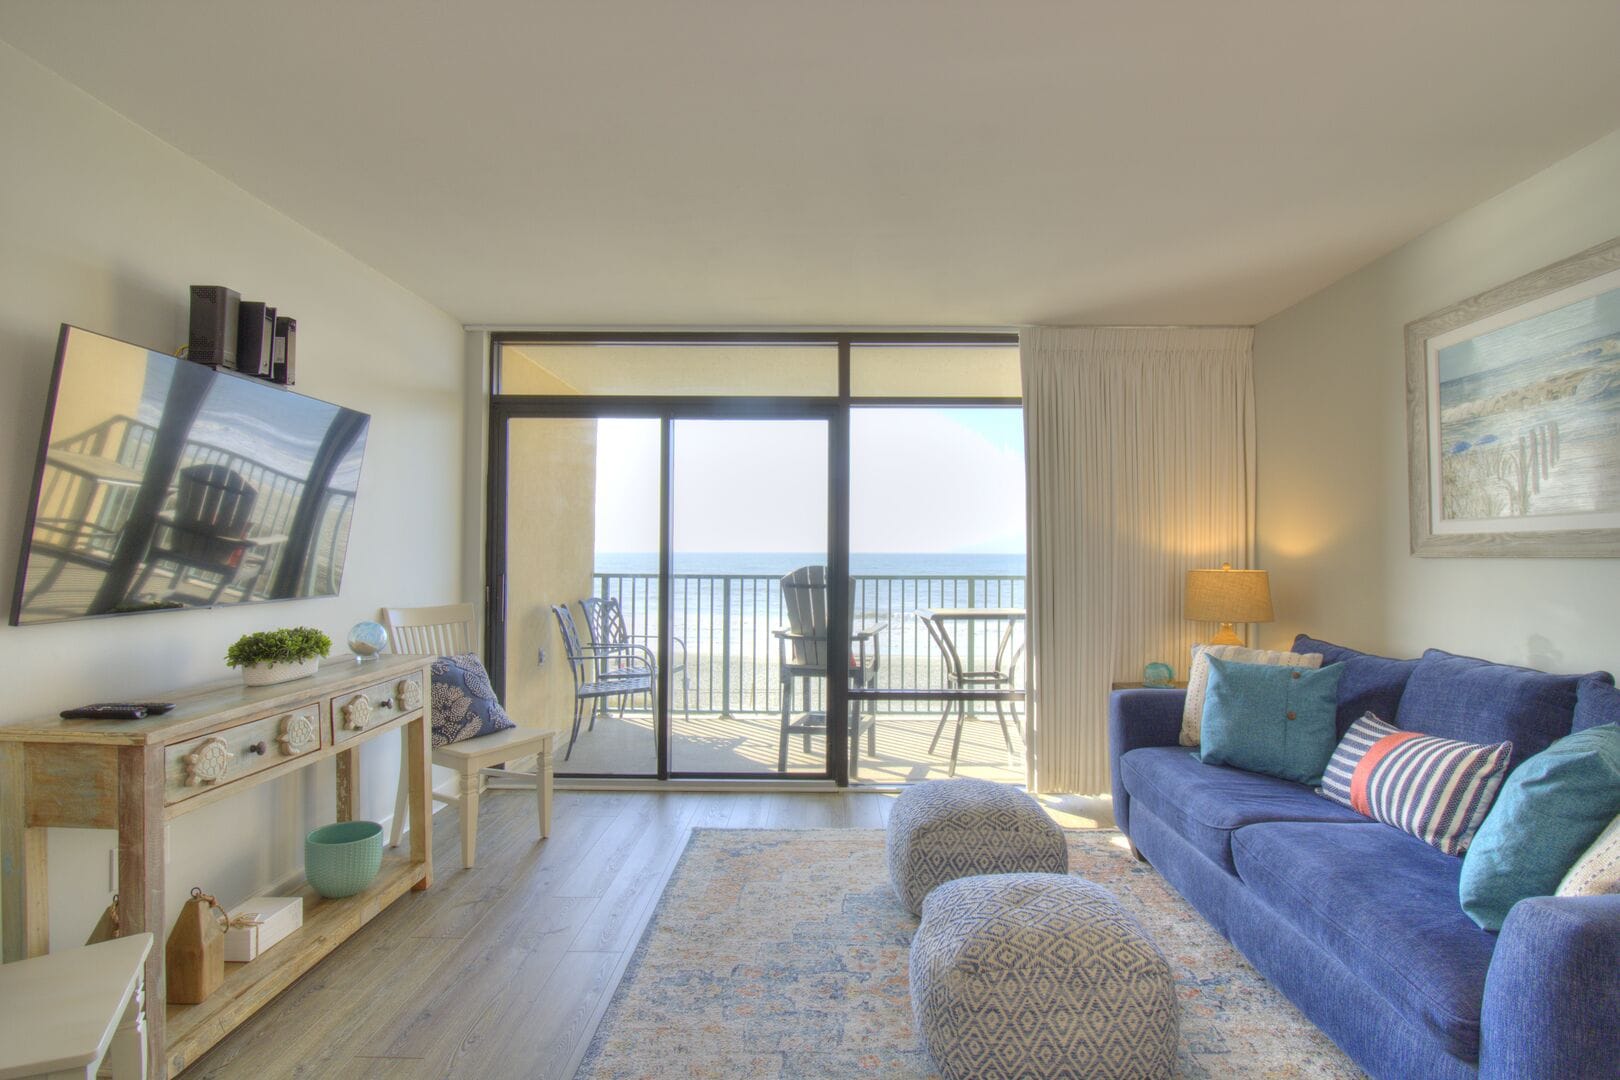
[{"x": 854, "y": 162}]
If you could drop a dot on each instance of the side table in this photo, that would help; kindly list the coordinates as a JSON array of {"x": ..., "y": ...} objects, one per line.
[{"x": 68, "y": 1013}]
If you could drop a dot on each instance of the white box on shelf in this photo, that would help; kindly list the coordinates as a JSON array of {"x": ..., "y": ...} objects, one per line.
[{"x": 259, "y": 922}]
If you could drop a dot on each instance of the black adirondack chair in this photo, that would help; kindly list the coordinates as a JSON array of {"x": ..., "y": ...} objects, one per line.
[
  {"x": 803, "y": 647},
  {"x": 207, "y": 530}
]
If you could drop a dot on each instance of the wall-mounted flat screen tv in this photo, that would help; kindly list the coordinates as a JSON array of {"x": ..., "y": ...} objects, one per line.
[{"x": 166, "y": 484}]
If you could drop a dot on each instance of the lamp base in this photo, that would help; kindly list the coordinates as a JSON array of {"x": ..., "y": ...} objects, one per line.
[{"x": 1226, "y": 635}]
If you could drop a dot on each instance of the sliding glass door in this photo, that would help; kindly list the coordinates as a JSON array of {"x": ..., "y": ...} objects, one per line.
[
  {"x": 671, "y": 585},
  {"x": 679, "y": 556},
  {"x": 749, "y": 597}
]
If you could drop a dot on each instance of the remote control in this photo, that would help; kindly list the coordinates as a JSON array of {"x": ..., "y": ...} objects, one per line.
[{"x": 106, "y": 711}]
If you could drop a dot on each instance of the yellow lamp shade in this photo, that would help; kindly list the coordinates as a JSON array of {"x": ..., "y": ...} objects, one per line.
[{"x": 1227, "y": 596}]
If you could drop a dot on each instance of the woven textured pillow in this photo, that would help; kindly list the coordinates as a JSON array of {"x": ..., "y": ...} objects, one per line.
[
  {"x": 1268, "y": 719},
  {"x": 1439, "y": 790},
  {"x": 464, "y": 702},
  {"x": 1192, "y": 710},
  {"x": 1597, "y": 871}
]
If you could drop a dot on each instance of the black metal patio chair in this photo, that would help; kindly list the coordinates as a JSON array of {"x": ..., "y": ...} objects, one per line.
[
  {"x": 604, "y": 618},
  {"x": 631, "y": 667},
  {"x": 957, "y": 677}
]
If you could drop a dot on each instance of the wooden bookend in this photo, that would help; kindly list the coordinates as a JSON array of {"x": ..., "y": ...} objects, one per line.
[{"x": 195, "y": 953}]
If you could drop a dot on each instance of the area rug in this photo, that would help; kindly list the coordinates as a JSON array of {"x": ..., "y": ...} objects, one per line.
[{"x": 783, "y": 953}]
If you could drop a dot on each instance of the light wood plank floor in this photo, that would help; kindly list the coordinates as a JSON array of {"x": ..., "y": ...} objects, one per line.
[{"x": 504, "y": 970}]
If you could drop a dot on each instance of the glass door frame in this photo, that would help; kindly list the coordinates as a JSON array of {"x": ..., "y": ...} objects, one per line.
[{"x": 835, "y": 410}]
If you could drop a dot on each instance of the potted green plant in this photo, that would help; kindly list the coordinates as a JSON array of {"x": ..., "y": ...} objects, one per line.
[{"x": 278, "y": 656}]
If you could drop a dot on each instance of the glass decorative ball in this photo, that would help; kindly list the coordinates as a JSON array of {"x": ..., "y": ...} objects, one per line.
[
  {"x": 1157, "y": 674},
  {"x": 367, "y": 639}
]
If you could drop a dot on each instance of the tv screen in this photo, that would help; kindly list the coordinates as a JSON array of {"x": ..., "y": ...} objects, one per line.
[{"x": 167, "y": 484}]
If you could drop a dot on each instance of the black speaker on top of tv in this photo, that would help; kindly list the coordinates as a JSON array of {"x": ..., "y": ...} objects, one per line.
[
  {"x": 214, "y": 315},
  {"x": 284, "y": 358},
  {"x": 255, "y": 338}
]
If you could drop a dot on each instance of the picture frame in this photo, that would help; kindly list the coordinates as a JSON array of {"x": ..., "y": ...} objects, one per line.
[{"x": 1513, "y": 416}]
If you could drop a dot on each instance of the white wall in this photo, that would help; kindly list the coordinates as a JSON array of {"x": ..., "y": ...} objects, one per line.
[
  {"x": 1330, "y": 395},
  {"x": 104, "y": 226}
]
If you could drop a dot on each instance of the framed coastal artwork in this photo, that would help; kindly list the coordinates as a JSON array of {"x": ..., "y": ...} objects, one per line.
[{"x": 1513, "y": 416}]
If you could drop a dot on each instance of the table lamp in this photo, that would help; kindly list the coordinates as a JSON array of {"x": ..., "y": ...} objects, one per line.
[{"x": 1227, "y": 596}]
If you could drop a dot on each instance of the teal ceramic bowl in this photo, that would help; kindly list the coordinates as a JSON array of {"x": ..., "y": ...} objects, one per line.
[{"x": 341, "y": 860}]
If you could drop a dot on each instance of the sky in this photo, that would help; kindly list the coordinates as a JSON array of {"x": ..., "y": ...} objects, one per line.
[{"x": 921, "y": 480}]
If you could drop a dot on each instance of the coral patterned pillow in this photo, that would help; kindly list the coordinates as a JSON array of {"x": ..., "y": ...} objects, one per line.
[
  {"x": 1439, "y": 790},
  {"x": 464, "y": 703}
]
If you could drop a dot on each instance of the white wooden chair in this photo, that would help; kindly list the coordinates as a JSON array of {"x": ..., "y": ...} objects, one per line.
[{"x": 448, "y": 631}]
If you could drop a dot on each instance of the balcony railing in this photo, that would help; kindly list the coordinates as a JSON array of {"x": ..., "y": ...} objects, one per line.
[{"x": 725, "y": 622}]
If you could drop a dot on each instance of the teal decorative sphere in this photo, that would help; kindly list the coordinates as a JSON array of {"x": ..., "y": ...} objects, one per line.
[
  {"x": 367, "y": 639},
  {"x": 1157, "y": 674}
]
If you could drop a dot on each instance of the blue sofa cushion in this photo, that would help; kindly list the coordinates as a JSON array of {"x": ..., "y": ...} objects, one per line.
[
  {"x": 1597, "y": 702},
  {"x": 1459, "y": 697},
  {"x": 1205, "y": 803},
  {"x": 1370, "y": 684},
  {"x": 1385, "y": 904}
]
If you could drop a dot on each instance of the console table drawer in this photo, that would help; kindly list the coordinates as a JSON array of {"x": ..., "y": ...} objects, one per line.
[
  {"x": 215, "y": 759},
  {"x": 378, "y": 704}
]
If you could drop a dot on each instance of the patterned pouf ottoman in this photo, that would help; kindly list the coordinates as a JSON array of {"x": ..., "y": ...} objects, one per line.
[
  {"x": 947, "y": 829},
  {"x": 1039, "y": 976}
]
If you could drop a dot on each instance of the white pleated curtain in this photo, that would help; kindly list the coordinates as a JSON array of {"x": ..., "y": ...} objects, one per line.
[{"x": 1140, "y": 448}]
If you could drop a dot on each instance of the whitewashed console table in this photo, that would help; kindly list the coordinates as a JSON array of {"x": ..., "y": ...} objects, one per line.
[{"x": 221, "y": 740}]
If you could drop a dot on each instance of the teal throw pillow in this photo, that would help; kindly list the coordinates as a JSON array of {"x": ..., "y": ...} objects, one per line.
[
  {"x": 1273, "y": 720},
  {"x": 1550, "y": 811}
]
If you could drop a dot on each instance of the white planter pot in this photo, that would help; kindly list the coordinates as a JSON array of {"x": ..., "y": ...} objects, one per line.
[{"x": 270, "y": 674}]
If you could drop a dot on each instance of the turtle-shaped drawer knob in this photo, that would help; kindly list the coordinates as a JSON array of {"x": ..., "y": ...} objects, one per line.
[
  {"x": 298, "y": 734},
  {"x": 208, "y": 763},
  {"x": 409, "y": 694},
  {"x": 357, "y": 713}
]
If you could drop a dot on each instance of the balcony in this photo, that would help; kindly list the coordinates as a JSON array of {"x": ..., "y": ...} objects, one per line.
[{"x": 727, "y": 695}]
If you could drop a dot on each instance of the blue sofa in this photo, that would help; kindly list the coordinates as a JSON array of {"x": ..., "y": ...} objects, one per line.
[{"x": 1359, "y": 923}]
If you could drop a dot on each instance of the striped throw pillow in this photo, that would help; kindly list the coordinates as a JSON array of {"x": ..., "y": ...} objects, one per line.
[{"x": 1439, "y": 790}]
